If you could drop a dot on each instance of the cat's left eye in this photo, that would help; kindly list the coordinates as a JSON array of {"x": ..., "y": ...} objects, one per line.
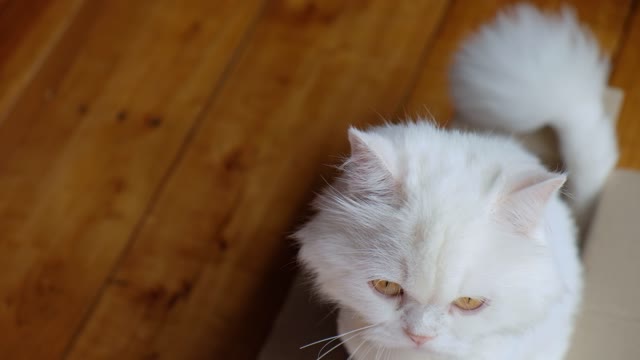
[
  {"x": 468, "y": 303},
  {"x": 386, "y": 288}
]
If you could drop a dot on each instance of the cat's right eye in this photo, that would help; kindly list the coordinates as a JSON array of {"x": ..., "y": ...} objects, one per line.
[
  {"x": 468, "y": 303},
  {"x": 386, "y": 288}
]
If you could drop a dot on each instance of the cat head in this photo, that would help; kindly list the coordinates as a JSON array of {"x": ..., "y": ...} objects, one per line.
[{"x": 435, "y": 237}]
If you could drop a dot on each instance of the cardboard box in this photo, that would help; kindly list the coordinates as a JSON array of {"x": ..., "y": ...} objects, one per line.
[
  {"x": 302, "y": 321},
  {"x": 609, "y": 324}
]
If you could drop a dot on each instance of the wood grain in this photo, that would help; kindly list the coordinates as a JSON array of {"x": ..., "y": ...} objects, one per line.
[
  {"x": 28, "y": 32},
  {"x": 431, "y": 95},
  {"x": 87, "y": 144},
  {"x": 626, "y": 75},
  {"x": 204, "y": 276}
]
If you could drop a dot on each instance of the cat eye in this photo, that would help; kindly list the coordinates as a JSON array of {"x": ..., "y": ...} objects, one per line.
[
  {"x": 386, "y": 288},
  {"x": 468, "y": 303}
]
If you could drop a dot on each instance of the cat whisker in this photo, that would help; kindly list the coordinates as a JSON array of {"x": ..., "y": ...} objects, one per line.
[
  {"x": 378, "y": 352},
  {"x": 335, "y": 347},
  {"x": 337, "y": 336},
  {"x": 369, "y": 348},
  {"x": 352, "y": 356},
  {"x": 331, "y": 312},
  {"x": 327, "y": 344}
]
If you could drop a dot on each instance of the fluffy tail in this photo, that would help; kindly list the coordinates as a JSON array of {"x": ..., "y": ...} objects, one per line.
[{"x": 527, "y": 70}]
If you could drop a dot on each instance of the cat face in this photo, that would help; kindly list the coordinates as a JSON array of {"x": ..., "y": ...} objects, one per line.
[{"x": 436, "y": 262}]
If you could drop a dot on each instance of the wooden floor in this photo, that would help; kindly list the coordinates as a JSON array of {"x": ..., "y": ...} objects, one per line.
[{"x": 154, "y": 154}]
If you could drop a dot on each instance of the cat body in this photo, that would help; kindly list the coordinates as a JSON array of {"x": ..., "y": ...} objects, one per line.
[{"x": 443, "y": 244}]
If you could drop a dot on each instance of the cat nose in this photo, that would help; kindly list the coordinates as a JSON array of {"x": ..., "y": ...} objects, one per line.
[{"x": 418, "y": 339}]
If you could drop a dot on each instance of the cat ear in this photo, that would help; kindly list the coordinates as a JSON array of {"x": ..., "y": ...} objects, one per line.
[
  {"x": 372, "y": 150},
  {"x": 523, "y": 207},
  {"x": 372, "y": 166}
]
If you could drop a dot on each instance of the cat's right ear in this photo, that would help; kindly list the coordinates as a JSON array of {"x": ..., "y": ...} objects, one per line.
[
  {"x": 372, "y": 166},
  {"x": 523, "y": 207}
]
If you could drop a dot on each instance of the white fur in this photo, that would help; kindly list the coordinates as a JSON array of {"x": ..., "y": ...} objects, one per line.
[
  {"x": 527, "y": 70},
  {"x": 447, "y": 214}
]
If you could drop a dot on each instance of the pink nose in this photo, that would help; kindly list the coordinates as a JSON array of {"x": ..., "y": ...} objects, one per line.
[{"x": 418, "y": 339}]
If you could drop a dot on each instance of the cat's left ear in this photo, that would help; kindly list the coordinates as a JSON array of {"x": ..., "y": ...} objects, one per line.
[
  {"x": 372, "y": 151},
  {"x": 524, "y": 205},
  {"x": 372, "y": 168}
]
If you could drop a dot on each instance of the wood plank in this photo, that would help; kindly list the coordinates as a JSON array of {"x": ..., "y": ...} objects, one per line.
[
  {"x": 431, "y": 95},
  {"x": 28, "y": 32},
  {"x": 626, "y": 75},
  {"x": 204, "y": 277},
  {"x": 87, "y": 145}
]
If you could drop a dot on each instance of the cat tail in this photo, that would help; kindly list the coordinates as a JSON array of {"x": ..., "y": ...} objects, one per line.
[{"x": 527, "y": 70}]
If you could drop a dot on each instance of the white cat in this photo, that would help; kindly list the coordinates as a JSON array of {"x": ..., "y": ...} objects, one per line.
[{"x": 441, "y": 244}]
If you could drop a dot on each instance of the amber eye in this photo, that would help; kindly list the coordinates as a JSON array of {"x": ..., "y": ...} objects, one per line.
[
  {"x": 386, "y": 288},
  {"x": 468, "y": 303}
]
